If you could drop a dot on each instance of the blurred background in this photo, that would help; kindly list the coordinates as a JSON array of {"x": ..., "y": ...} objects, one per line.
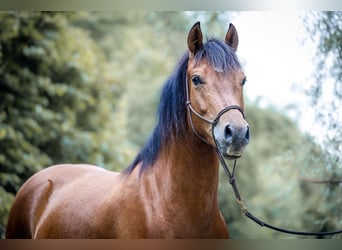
[{"x": 84, "y": 87}]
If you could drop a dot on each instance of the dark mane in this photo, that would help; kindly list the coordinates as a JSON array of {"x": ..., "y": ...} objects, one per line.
[{"x": 171, "y": 111}]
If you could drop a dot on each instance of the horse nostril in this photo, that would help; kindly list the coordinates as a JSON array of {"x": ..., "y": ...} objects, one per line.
[
  {"x": 228, "y": 134},
  {"x": 248, "y": 135}
]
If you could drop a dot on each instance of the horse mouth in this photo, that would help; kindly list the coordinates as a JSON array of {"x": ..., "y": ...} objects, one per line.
[
  {"x": 231, "y": 152},
  {"x": 231, "y": 156}
]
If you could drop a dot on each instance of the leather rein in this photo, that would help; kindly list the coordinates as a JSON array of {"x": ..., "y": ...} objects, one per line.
[{"x": 231, "y": 174}]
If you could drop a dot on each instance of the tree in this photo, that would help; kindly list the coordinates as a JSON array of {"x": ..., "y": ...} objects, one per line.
[
  {"x": 55, "y": 99},
  {"x": 325, "y": 29},
  {"x": 324, "y": 174}
]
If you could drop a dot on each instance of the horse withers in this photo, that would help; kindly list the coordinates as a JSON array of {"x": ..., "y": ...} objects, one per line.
[{"x": 170, "y": 188}]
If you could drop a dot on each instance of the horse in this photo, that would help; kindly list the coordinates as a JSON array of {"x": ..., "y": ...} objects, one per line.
[{"x": 170, "y": 188}]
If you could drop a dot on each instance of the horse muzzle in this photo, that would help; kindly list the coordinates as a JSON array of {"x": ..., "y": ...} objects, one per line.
[{"x": 231, "y": 139}]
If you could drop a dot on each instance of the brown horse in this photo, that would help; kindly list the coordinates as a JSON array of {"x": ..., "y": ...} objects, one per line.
[{"x": 170, "y": 189}]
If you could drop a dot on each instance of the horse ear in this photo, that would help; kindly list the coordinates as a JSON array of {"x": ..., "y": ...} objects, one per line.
[
  {"x": 195, "y": 38},
  {"x": 232, "y": 38}
]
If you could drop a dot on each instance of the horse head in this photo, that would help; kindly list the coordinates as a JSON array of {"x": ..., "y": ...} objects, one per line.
[{"x": 215, "y": 92}]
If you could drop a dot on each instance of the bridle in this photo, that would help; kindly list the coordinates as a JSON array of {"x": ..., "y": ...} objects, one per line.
[{"x": 231, "y": 174}]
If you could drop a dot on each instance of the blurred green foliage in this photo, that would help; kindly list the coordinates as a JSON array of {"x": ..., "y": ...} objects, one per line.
[
  {"x": 325, "y": 97},
  {"x": 57, "y": 98},
  {"x": 272, "y": 177},
  {"x": 84, "y": 86}
]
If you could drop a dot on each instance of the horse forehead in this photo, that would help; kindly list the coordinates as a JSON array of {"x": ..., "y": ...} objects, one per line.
[{"x": 204, "y": 69}]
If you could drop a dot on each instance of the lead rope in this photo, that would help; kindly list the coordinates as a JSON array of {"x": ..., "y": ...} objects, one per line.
[{"x": 244, "y": 209}]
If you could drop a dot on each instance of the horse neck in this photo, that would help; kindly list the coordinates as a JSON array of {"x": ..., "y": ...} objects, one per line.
[{"x": 186, "y": 173}]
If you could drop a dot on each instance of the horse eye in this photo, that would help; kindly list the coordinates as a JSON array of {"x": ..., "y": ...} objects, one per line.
[
  {"x": 196, "y": 80},
  {"x": 244, "y": 81}
]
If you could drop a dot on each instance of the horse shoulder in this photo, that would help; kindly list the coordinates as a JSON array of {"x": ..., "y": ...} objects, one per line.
[{"x": 125, "y": 213}]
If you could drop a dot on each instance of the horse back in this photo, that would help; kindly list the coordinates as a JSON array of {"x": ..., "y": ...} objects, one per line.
[{"x": 60, "y": 197}]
